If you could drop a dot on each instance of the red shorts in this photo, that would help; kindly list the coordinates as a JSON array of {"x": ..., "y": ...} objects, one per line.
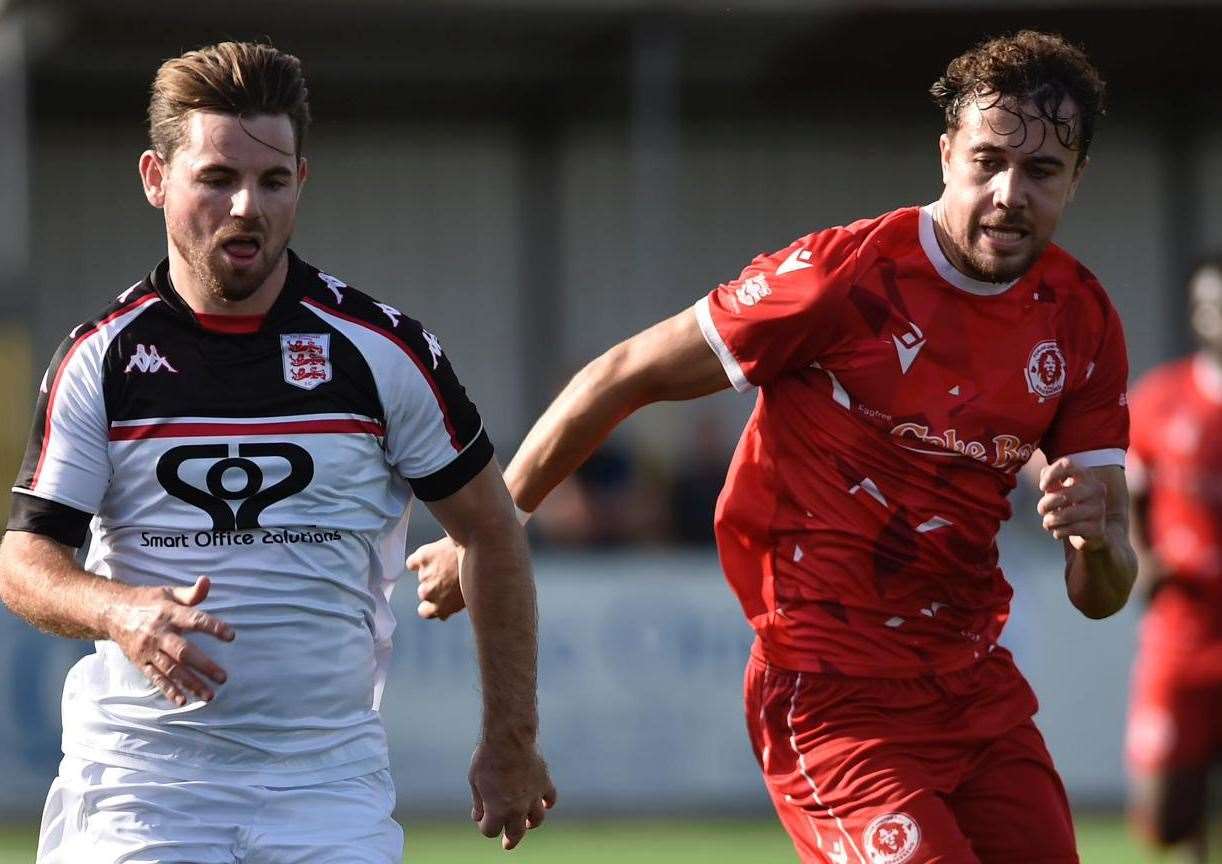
[
  {"x": 936, "y": 770},
  {"x": 1175, "y": 710}
]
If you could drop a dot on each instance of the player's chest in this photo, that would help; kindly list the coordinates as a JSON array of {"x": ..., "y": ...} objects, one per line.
[
  {"x": 294, "y": 371},
  {"x": 981, "y": 376}
]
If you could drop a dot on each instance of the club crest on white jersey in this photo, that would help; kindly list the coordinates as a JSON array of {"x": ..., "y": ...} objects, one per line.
[
  {"x": 891, "y": 839},
  {"x": 148, "y": 360},
  {"x": 307, "y": 359},
  {"x": 1045, "y": 370}
]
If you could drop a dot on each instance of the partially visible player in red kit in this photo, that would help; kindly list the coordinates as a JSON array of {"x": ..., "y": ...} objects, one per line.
[
  {"x": 1175, "y": 474},
  {"x": 907, "y": 366}
]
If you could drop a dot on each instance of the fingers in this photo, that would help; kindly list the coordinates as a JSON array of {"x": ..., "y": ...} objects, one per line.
[
  {"x": 1056, "y": 473},
  {"x": 193, "y": 595},
  {"x": 202, "y": 622},
  {"x": 536, "y": 814},
  {"x": 514, "y": 831},
  {"x": 182, "y": 651},
  {"x": 477, "y": 808},
  {"x": 175, "y": 680},
  {"x": 427, "y": 609}
]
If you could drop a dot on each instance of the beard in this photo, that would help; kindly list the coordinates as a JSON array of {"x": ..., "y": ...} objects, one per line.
[
  {"x": 221, "y": 281},
  {"x": 991, "y": 268}
]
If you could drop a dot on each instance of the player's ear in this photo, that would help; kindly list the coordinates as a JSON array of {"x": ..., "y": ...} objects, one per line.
[
  {"x": 944, "y": 143},
  {"x": 1078, "y": 171},
  {"x": 153, "y": 171},
  {"x": 303, "y": 173}
]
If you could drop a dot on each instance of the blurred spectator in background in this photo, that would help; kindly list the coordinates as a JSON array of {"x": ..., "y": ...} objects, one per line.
[
  {"x": 697, "y": 482},
  {"x": 612, "y": 500},
  {"x": 1175, "y": 475}
]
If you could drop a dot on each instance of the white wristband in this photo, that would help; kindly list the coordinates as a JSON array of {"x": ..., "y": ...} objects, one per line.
[{"x": 523, "y": 515}]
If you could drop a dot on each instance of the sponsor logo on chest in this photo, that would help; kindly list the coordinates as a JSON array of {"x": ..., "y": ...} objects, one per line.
[{"x": 306, "y": 358}]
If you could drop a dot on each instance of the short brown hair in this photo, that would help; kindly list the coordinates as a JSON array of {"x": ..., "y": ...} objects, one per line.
[
  {"x": 1041, "y": 67},
  {"x": 242, "y": 78}
]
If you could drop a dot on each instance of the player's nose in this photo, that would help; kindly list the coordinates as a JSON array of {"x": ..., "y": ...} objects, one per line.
[{"x": 244, "y": 203}]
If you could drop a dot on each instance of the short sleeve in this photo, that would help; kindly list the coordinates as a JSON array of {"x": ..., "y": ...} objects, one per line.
[
  {"x": 434, "y": 435},
  {"x": 66, "y": 469},
  {"x": 1092, "y": 422},
  {"x": 435, "y": 438},
  {"x": 783, "y": 310}
]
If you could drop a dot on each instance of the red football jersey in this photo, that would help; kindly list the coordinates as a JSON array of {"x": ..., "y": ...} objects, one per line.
[
  {"x": 897, "y": 400},
  {"x": 1176, "y": 458}
]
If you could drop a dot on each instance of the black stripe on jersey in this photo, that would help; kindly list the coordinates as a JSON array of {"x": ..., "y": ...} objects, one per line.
[
  {"x": 461, "y": 417},
  {"x": 61, "y": 523},
  {"x": 457, "y": 474},
  {"x": 35, "y": 448}
]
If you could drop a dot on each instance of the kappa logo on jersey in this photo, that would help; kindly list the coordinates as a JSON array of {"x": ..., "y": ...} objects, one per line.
[
  {"x": 148, "y": 360},
  {"x": 307, "y": 359},
  {"x": 799, "y": 259},
  {"x": 335, "y": 285},
  {"x": 753, "y": 290},
  {"x": 390, "y": 312},
  {"x": 891, "y": 839},
  {"x": 1045, "y": 370},
  {"x": 219, "y": 477},
  {"x": 434, "y": 346},
  {"x": 908, "y": 346}
]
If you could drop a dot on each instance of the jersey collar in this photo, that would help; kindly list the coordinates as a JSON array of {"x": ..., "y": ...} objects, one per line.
[
  {"x": 929, "y": 243},
  {"x": 290, "y": 296}
]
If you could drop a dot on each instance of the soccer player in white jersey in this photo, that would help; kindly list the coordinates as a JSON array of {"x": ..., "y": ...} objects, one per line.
[{"x": 242, "y": 433}]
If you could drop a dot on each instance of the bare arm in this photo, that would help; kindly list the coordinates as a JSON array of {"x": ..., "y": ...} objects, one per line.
[
  {"x": 41, "y": 582},
  {"x": 509, "y": 783},
  {"x": 668, "y": 362},
  {"x": 1088, "y": 509}
]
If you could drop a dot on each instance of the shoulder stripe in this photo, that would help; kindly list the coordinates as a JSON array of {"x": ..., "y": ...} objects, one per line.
[
  {"x": 81, "y": 339},
  {"x": 390, "y": 336}
]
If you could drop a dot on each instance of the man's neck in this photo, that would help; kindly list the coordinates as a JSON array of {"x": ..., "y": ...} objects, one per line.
[
  {"x": 202, "y": 301},
  {"x": 942, "y": 234}
]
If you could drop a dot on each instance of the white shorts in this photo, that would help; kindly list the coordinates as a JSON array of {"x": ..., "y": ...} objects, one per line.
[{"x": 105, "y": 815}]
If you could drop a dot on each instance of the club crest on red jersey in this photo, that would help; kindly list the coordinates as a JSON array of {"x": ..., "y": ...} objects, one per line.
[
  {"x": 891, "y": 839},
  {"x": 307, "y": 359},
  {"x": 1045, "y": 370},
  {"x": 753, "y": 290}
]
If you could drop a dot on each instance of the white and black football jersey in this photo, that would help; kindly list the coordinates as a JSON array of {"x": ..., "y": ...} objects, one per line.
[{"x": 279, "y": 463}]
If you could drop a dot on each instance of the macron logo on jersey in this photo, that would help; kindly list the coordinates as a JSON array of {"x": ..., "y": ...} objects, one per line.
[
  {"x": 908, "y": 346},
  {"x": 799, "y": 259},
  {"x": 148, "y": 360}
]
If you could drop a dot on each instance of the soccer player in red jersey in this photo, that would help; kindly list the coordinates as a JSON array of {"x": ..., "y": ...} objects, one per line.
[
  {"x": 906, "y": 366},
  {"x": 1175, "y": 474}
]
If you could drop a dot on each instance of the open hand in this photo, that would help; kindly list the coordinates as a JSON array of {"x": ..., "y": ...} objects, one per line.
[{"x": 147, "y": 625}]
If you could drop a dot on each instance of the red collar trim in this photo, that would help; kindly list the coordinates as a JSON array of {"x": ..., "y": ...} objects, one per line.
[{"x": 230, "y": 323}]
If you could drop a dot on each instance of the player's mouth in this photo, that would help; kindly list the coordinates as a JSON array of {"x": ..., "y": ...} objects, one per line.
[
  {"x": 241, "y": 248},
  {"x": 1004, "y": 238}
]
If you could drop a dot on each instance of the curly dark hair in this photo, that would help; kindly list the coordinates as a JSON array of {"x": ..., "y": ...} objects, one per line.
[{"x": 1029, "y": 65}]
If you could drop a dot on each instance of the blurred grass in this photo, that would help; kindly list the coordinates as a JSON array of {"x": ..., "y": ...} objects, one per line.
[{"x": 1101, "y": 840}]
